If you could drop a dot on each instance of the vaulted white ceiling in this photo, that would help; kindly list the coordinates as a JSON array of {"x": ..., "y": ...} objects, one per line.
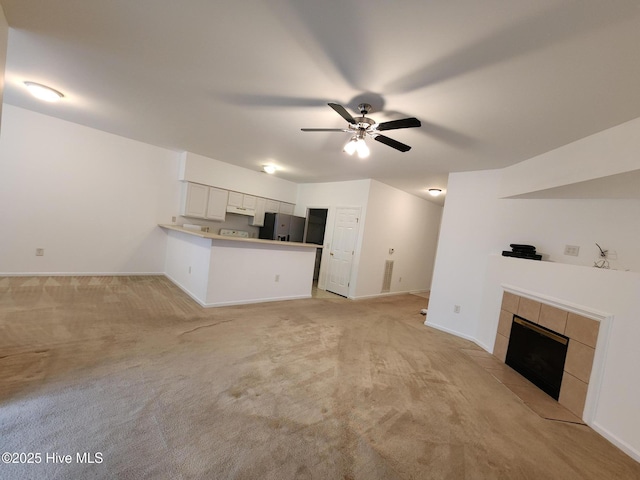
[{"x": 494, "y": 82}]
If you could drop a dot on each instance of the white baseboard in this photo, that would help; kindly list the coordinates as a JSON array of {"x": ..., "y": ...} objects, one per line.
[
  {"x": 457, "y": 334},
  {"x": 251, "y": 301},
  {"x": 448, "y": 330},
  {"x": 81, "y": 274},
  {"x": 386, "y": 294},
  {"x": 621, "y": 444},
  {"x": 235, "y": 302},
  {"x": 185, "y": 290}
]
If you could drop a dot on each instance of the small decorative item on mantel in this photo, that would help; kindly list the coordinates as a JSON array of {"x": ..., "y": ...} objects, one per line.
[{"x": 522, "y": 251}]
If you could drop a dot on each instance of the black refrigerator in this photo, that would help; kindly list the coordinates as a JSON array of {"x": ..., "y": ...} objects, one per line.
[{"x": 283, "y": 227}]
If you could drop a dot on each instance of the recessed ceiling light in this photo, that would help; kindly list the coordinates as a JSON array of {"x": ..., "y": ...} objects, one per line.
[
  {"x": 434, "y": 192},
  {"x": 43, "y": 92},
  {"x": 269, "y": 169}
]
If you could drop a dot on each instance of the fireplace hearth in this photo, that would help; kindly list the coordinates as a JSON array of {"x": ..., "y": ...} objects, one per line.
[{"x": 538, "y": 354}]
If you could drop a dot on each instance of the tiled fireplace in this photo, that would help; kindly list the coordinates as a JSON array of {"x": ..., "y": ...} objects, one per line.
[{"x": 581, "y": 331}]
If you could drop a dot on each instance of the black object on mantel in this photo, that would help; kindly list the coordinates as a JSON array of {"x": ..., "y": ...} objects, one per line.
[{"x": 522, "y": 251}]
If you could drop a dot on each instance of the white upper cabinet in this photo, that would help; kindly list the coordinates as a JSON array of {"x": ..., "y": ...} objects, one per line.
[
  {"x": 195, "y": 200},
  {"x": 211, "y": 203},
  {"x": 287, "y": 208},
  {"x": 258, "y": 218},
  {"x": 202, "y": 201},
  {"x": 272, "y": 206},
  {"x": 241, "y": 200},
  {"x": 249, "y": 202},
  {"x": 217, "y": 204},
  {"x": 235, "y": 199}
]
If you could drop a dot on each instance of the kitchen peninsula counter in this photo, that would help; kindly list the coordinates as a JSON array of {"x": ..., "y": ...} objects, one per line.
[
  {"x": 215, "y": 236},
  {"x": 217, "y": 270}
]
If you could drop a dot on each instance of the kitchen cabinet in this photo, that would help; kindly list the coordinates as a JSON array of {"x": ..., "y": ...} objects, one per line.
[
  {"x": 258, "y": 218},
  {"x": 202, "y": 201},
  {"x": 235, "y": 199},
  {"x": 286, "y": 208},
  {"x": 195, "y": 200},
  {"x": 272, "y": 206},
  {"x": 217, "y": 204},
  {"x": 249, "y": 202},
  {"x": 241, "y": 200},
  {"x": 241, "y": 204}
]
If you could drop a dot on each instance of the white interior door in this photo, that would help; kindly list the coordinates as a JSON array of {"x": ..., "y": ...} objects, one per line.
[{"x": 343, "y": 246}]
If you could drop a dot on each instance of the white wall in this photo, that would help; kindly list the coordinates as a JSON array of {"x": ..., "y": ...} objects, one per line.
[
  {"x": 91, "y": 199},
  {"x": 470, "y": 230},
  {"x": 331, "y": 195},
  {"x": 477, "y": 223},
  {"x": 605, "y": 153},
  {"x": 199, "y": 169},
  {"x": 4, "y": 38},
  {"x": 406, "y": 223}
]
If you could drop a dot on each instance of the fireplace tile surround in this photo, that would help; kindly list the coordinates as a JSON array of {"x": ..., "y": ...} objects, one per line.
[{"x": 582, "y": 332}]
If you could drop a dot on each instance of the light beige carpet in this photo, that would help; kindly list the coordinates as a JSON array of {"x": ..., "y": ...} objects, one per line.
[{"x": 312, "y": 389}]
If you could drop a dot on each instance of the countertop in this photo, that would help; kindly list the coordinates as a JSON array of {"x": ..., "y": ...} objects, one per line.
[{"x": 215, "y": 236}]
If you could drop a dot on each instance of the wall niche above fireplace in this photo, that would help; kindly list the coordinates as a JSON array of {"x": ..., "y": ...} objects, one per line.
[{"x": 582, "y": 335}]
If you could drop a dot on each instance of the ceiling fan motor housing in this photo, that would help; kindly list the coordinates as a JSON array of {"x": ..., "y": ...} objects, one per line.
[{"x": 364, "y": 108}]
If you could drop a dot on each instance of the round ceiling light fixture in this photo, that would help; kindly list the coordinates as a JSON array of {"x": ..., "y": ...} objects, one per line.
[
  {"x": 43, "y": 92},
  {"x": 270, "y": 169},
  {"x": 434, "y": 192}
]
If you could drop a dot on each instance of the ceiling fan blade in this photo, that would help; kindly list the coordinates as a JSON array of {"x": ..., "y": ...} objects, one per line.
[
  {"x": 343, "y": 112},
  {"x": 402, "y": 123},
  {"x": 392, "y": 143},
  {"x": 323, "y": 129}
]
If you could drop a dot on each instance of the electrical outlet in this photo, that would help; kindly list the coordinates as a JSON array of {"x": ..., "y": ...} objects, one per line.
[
  {"x": 456, "y": 309},
  {"x": 189, "y": 270},
  {"x": 277, "y": 278},
  {"x": 571, "y": 250},
  {"x": 39, "y": 252},
  {"x": 173, "y": 219},
  {"x": 399, "y": 279}
]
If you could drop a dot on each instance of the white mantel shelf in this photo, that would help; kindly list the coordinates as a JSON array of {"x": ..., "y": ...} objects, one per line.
[
  {"x": 215, "y": 236},
  {"x": 217, "y": 270}
]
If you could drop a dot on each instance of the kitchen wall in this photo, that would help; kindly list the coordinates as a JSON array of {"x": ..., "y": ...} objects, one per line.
[
  {"x": 91, "y": 199},
  {"x": 208, "y": 171},
  {"x": 406, "y": 223},
  {"x": 477, "y": 225}
]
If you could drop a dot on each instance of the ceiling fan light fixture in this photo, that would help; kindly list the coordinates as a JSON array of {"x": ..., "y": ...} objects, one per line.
[
  {"x": 362, "y": 148},
  {"x": 351, "y": 146},
  {"x": 43, "y": 92},
  {"x": 434, "y": 192},
  {"x": 270, "y": 169}
]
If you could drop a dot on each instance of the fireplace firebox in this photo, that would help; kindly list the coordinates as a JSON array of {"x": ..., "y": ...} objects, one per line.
[{"x": 538, "y": 354}]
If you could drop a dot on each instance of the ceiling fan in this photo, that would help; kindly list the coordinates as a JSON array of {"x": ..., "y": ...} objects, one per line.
[{"x": 361, "y": 127}]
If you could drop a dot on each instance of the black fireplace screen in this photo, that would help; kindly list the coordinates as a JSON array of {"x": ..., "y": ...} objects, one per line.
[{"x": 538, "y": 354}]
